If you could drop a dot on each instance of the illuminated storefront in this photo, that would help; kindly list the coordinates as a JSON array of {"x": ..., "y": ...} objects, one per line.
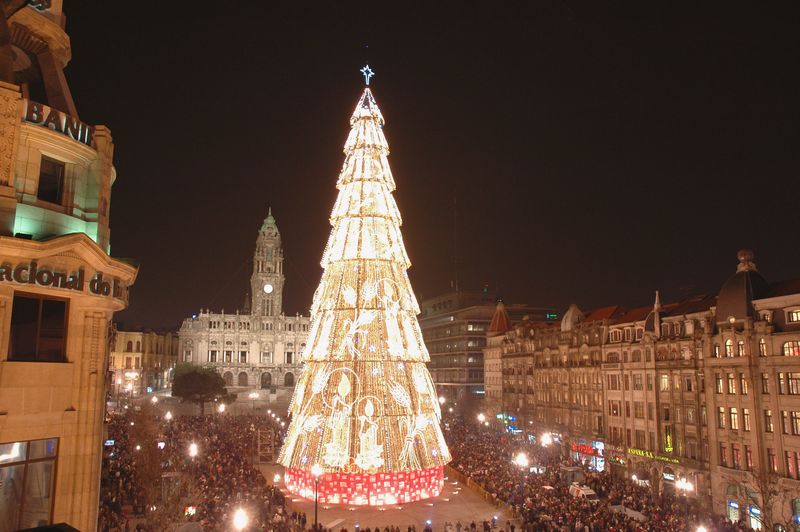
[{"x": 590, "y": 453}]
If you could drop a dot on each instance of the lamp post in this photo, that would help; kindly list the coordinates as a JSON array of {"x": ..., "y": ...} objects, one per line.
[
  {"x": 253, "y": 396},
  {"x": 316, "y": 470},
  {"x": 240, "y": 519},
  {"x": 685, "y": 486}
]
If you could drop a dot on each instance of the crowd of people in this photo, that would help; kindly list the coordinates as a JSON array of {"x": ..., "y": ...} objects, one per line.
[
  {"x": 210, "y": 486},
  {"x": 222, "y": 478},
  {"x": 542, "y": 500}
]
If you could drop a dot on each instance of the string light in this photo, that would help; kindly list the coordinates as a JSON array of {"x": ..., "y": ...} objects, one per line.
[{"x": 365, "y": 407}]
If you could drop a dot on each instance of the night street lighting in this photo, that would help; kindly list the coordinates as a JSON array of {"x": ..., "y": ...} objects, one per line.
[
  {"x": 685, "y": 486},
  {"x": 522, "y": 460},
  {"x": 316, "y": 470},
  {"x": 192, "y": 450},
  {"x": 221, "y": 408},
  {"x": 701, "y": 528},
  {"x": 441, "y": 400},
  {"x": 168, "y": 415},
  {"x": 240, "y": 519},
  {"x": 154, "y": 400},
  {"x": 546, "y": 439},
  {"x": 253, "y": 396},
  {"x": 481, "y": 418}
]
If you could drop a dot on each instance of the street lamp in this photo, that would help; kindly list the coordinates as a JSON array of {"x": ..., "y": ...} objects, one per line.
[
  {"x": 168, "y": 416},
  {"x": 685, "y": 486},
  {"x": 441, "y": 399},
  {"x": 154, "y": 400},
  {"x": 221, "y": 408},
  {"x": 481, "y": 418},
  {"x": 701, "y": 528},
  {"x": 546, "y": 439},
  {"x": 253, "y": 396},
  {"x": 240, "y": 519},
  {"x": 192, "y": 450},
  {"x": 522, "y": 460},
  {"x": 316, "y": 470}
]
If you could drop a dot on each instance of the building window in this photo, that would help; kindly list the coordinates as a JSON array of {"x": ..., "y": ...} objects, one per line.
[
  {"x": 734, "y": 418},
  {"x": 735, "y": 456},
  {"x": 781, "y": 383},
  {"x": 242, "y": 357},
  {"x": 731, "y": 384},
  {"x": 664, "y": 386},
  {"x": 716, "y": 350},
  {"x": 768, "y": 421},
  {"x": 690, "y": 414},
  {"x": 38, "y": 329},
  {"x": 765, "y": 383},
  {"x": 718, "y": 378},
  {"x": 748, "y": 457},
  {"x": 638, "y": 381},
  {"x": 721, "y": 417},
  {"x": 743, "y": 384},
  {"x": 740, "y": 348},
  {"x": 795, "y": 416},
  {"x": 666, "y": 413},
  {"x": 289, "y": 357},
  {"x": 129, "y": 347},
  {"x": 689, "y": 384},
  {"x": 762, "y": 348},
  {"x": 746, "y": 419},
  {"x": 729, "y": 348},
  {"x": 51, "y": 181},
  {"x": 793, "y": 383},
  {"x": 266, "y": 357},
  {"x": 791, "y": 349},
  {"x": 228, "y": 356},
  {"x": 187, "y": 355},
  {"x": 771, "y": 460},
  {"x": 649, "y": 383},
  {"x": 723, "y": 455},
  {"x": 128, "y": 362},
  {"x": 27, "y": 470},
  {"x": 638, "y": 410},
  {"x": 212, "y": 355},
  {"x": 793, "y": 316}
]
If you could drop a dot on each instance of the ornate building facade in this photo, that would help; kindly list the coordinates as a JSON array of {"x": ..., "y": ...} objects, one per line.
[
  {"x": 259, "y": 346},
  {"x": 706, "y": 389},
  {"x": 142, "y": 361},
  {"x": 59, "y": 288}
]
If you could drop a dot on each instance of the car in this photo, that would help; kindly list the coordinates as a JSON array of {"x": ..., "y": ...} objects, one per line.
[{"x": 583, "y": 492}]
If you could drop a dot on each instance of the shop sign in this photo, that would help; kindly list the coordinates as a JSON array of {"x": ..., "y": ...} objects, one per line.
[
  {"x": 53, "y": 119},
  {"x": 32, "y": 274},
  {"x": 586, "y": 449},
  {"x": 650, "y": 454},
  {"x": 616, "y": 460},
  {"x": 669, "y": 476},
  {"x": 755, "y": 511},
  {"x": 733, "y": 504}
]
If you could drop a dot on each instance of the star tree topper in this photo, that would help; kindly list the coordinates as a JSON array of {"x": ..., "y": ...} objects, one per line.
[{"x": 367, "y": 73}]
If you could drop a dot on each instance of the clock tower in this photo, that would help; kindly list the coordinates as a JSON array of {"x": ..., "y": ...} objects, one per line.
[{"x": 266, "y": 284}]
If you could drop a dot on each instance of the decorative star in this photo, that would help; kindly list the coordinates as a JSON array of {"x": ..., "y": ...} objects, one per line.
[
  {"x": 367, "y": 73},
  {"x": 372, "y": 348}
]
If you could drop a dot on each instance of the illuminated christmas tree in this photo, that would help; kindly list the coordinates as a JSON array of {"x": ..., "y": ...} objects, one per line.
[{"x": 365, "y": 411}]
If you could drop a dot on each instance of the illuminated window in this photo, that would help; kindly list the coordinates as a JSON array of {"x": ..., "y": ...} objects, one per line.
[
  {"x": 791, "y": 349},
  {"x": 743, "y": 384},
  {"x": 768, "y": 421},
  {"x": 242, "y": 357},
  {"x": 731, "y": 383},
  {"x": 716, "y": 350},
  {"x": 734, "y": 418},
  {"x": 664, "y": 387},
  {"x": 289, "y": 357},
  {"x": 729, "y": 348},
  {"x": 38, "y": 329},
  {"x": 765, "y": 383},
  {"x": 740, "y": 348},
  {"x": 721, "y": 417},
  {"x": 51, "y": 181},
  {"x": 718, "y": 378},
  {"x": 746, "y": 419},
  {"x": 27, "y": 470},
  {"x": 793, "y": 316},
  {"x": 762, "y": 348},
  {"x": 212, "y": 355}
]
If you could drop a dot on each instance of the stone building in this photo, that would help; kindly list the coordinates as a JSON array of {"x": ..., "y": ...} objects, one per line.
[
  {"x": 142, "y": 361},
  {"x": 705, "y": 390},
  {"x": 454, "y": 326},
  {"x": 258, "y": 346},
  {"x": 59, "y": 288}
]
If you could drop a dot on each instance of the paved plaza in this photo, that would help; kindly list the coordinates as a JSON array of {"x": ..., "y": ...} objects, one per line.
[{"x": 456, "y": 503}]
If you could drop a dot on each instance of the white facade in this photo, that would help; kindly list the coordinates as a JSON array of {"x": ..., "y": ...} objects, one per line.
[{"x": 259, "y": 347}]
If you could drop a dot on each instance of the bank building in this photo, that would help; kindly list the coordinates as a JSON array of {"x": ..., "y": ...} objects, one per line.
[
  {"x": 59, "y": 286},
  {"x": 258, "y": 346}
]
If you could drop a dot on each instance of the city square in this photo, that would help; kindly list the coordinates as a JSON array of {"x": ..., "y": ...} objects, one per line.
[{"x": 379, "y": 269}]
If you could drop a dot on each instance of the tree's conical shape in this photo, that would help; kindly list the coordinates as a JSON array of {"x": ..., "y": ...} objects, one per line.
[{"x": 365, "y": 408}]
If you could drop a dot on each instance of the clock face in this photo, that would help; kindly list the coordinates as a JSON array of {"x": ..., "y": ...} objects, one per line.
[{"x": 268, "y": 288}]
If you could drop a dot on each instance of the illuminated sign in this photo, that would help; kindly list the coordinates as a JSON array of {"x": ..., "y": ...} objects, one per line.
[
  {"x": 108, "y": 443},
  {"x": 53, "y": 119},
  {"x": 733, "y": 504},
  {"x": 586, "y": 449},
  {"x": 32, "y": 273},
  {"x": 669, "y": 476},
  {"x": 551, "y": 316},
  {"x": 649, "y": 454}
]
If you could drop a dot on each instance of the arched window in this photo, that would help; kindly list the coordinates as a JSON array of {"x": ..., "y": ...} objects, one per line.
[
  {"x": 716, "y": 350},
  {"x": 762, "y": 348},
  {"x": 729, "y": 348},
  {"x": 228, "y": 378},
  {"x": 791, "y": 349},
  {"x": 138, "y": 346},
  {"x": 288, "y": 379},
  {"x": 242, "y": 379},
  {"x": 266, "y": 380},
  {"x": 129, "y": 346},
  {"x": 740, "y": 348}
]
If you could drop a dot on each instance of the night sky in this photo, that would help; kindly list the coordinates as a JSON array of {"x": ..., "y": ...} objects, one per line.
[{"x": 596, "y": 154}]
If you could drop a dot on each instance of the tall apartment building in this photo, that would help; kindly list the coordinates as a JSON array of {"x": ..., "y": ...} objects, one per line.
[
  {"x": 454, "y": 327},
  {"x": 142, "y": 361},
  {"x": 706, "y": 389},
  {"x": 59, "y": 288}
]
